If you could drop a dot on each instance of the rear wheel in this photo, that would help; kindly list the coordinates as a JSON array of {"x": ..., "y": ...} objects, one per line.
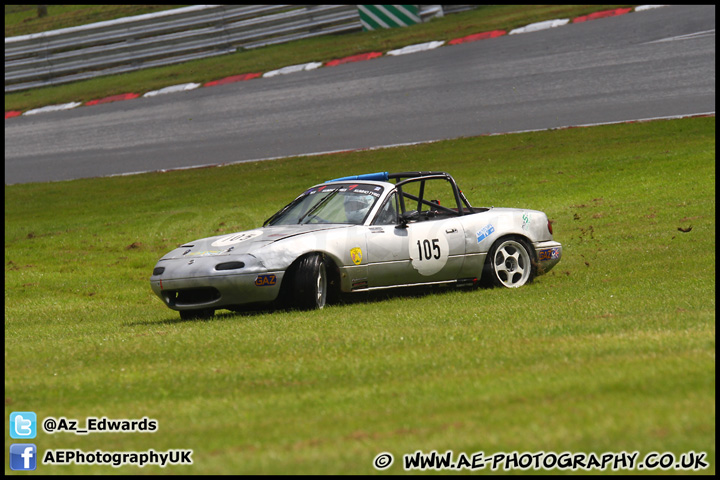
[
  {"x": 310, "y": 283},
  {"x": 509, "y": 264}
]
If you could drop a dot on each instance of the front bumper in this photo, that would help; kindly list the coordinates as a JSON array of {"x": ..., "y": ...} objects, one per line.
[
  {"x": 218, "y": 291},
  {"x": 188, "y": 285}
]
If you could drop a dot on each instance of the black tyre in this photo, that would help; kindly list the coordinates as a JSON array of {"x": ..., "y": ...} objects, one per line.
[
  {"x": 203, "y": 313},
  {"x": 310, "y": 283},
  {"x": 510, "y": 264}
]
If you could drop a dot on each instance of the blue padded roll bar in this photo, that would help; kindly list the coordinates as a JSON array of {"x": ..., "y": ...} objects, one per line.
[{"x": 379, "y": 177}]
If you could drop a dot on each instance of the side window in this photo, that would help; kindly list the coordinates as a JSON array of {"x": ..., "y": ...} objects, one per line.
[{"x": 388, "y": 213}]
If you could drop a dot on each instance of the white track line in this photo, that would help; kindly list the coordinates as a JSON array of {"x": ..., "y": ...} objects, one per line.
[
  {"x": 420, "y": 47},
  {"x": 422, "y": 142},
  {"x": 293, "y": 69},
  {"x": 533, "y": 27},
  {"x": 173, "y": 89},
  {"x": 53, "y": 108}
]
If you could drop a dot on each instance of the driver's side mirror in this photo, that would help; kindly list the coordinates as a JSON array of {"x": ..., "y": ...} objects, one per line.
[{"x": 407, "y": 217}]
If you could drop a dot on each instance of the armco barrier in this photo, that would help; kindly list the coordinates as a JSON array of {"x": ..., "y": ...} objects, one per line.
[{"x": 171, "y": 36}]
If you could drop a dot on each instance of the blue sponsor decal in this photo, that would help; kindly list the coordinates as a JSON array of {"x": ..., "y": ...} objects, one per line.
[
  {"x": 265, "y": 280},
  {"x": 549, "y": 254},
  {"x": 485, "y": 232}
]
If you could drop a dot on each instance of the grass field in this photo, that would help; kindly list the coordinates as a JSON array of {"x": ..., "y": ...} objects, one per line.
[
  {"x": 320, "y": 49},
  {"x": 24, "y": 19},
  {"x": 613, "y": 350}
]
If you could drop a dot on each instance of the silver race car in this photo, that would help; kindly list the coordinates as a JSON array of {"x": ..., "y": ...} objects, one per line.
[{"x": 357, "y": 234}]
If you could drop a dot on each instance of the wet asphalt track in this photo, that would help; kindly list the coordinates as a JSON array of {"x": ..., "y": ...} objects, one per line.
[{"x": 641, "y": 65}]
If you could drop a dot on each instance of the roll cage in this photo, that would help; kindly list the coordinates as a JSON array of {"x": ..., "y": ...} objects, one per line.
[
  {"x": 403, "y": 180},
  {"x": 462, "y": 206}
]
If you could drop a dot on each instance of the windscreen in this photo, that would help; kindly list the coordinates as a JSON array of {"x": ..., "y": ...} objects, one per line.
[{"x": 333, "y": 203}]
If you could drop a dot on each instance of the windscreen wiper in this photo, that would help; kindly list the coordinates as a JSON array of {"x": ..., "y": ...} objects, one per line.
[
  {"x": 318, "y": 205},
  {"x": 278, "y": 214}
]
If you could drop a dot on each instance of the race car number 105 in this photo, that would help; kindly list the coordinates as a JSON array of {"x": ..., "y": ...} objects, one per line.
[{"x": 428, "y": 250}]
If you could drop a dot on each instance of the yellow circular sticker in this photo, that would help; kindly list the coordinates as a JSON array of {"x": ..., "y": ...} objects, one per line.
[{"x": 356, "y": 254}]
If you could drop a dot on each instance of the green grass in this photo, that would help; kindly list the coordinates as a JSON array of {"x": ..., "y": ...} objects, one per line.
[
  {"x": 24, "y": 19},
  {"x": 320, "y": 49},
  {"x": 613, "y": 350}
]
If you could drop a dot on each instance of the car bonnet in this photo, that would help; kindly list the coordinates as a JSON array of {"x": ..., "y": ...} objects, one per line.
[{"x": 244, "y": 242}]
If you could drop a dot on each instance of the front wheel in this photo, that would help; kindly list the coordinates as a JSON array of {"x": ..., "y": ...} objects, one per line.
[
  {"x": 509, "y": 264},
  {"x": 310, "y": 283}
]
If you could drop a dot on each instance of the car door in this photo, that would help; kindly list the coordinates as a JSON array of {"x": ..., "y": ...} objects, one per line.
[
  {"x": 418, "y": 252},
  {"x": 436, "y": 248}
]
